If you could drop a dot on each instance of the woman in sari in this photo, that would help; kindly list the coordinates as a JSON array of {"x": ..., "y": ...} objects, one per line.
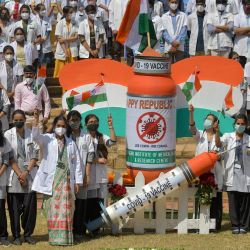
[{"x": 58, "y": 178}]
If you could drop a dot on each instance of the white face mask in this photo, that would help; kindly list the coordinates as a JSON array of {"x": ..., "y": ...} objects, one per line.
[
  {"x": 73, "y": 3},
  {"x": 25, "y": 16},
  {"x": 221, "y": 7},
  {"x": 29, "y": 80},
  {"x": 42, "y": 13},
  {"x": 60, "y": 131},
  {"x": 173, "y": 6},
  {"x": 9, "y": 58},
  {"x": 19, "y": 38},
  {"x": 200, "y": 8},
  {"x": 91, "y": 16}
]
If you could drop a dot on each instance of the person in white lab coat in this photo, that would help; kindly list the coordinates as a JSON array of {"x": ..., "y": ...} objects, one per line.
[
  {"x": 5, "y": 149},
  {"x": 237, "y": 174},
  {"x": 11, "y": 73},
  {"x": 91, "y": 35},
  {"x": 86, "y": 151},
  {"x": 174, "y": 31},
  {"x": 59, "y": 176},
  {"x": 245, "y": 89},
  {"x": 97, "y": 187},
  {"x": 67, "y": 40},
  {"x": 242, "y": 33},
  {"x": 44, "y": 48},
  {"x": 5, "y": 24},
  {"x": 206, "y": 141},
  {"x": 220, "y": 30},
  {"x": 25, "y": 52},
  {"x": 117, "y": 10},
  {"x": 197, "y": 30},
  {"x": 14, "y": 8},
  {"x": 22, "y": 202}
]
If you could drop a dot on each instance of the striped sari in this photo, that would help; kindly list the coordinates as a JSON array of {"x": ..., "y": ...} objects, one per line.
[{"x": 59, "y": 208}]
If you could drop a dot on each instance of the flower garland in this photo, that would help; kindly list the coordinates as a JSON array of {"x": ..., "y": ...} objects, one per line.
[{"x": 206, "y": 188}]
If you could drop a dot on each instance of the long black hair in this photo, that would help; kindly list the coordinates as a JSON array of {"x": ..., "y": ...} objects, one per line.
[
  {"x": 88, "y": 117},
  {"x": 2, "y": 138},
  {"x": 69, "y": 116},
  {"x": 18, "y": 112},
  {"x": 59, "y": 118}
]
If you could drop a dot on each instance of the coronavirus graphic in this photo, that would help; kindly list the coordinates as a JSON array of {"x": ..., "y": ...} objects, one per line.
[{"x": 151, "y": 127}]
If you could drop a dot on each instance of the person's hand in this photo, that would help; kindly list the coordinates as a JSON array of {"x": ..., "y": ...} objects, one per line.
[
  {"x": 45, "y": 120},
  {"x": 61, "y": 40},
  {"x": 172, "y": 50},
  {"x": 77, "y": 187},
  {"x": 110, "y": 121},
  {"x": 92, "y": 52},
  {"x": 114, "y": 32},
  {"x": 10, "y": 94},
  {"x": 63, "y": 112},
  {"x": 175, "y": 44},
  {"x": 95, "y": 53},
  {"x": 102, "y": 160},
  {"x": 67, "y": 55},
  {"x": 22, "y": 178},
  {"x": 36, "y": 114},
  {"x": 191, "y": 108},
  {"x": 216, "y": 127},
  {"x": 86, "y": 180}
]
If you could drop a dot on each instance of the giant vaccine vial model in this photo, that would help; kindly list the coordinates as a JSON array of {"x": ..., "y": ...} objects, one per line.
[{"x": 163, "y": 185}]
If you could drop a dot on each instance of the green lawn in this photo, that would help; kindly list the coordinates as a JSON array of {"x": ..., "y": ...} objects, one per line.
[{"x": 148, "y": 241}]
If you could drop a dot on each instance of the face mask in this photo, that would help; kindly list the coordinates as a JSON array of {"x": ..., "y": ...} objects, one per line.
[
  {"x": 60, "y": 131},
  {"x": 42, "y": 13},
  {"x": 9, "y": 58},
  {"x": 173, "y": 6},
  {"x": 19, "y": 124},
  {"x": 240, "y": 128},
  {"x": 25, "y": 16},
  {"x": 91, "y": 16},
  {"x": 73, "y": 3},
  {"x": 207, "y": 124},
  {"x": 200, "y": 8},
  {"x": 29, "y": 80},
  {"x": 221, "y": 7},
  {"x": 75, "y": 125},
  {"x": 19, "y": 38},
  {"x": 93, "y": 127}
]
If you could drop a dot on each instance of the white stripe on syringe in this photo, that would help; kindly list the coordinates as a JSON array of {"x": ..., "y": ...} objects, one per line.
[{"x": 150, "y": 192}]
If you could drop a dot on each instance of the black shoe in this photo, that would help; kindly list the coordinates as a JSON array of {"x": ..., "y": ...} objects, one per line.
[
  {"x": 29, "y": 240},
  {"x": 17, "y": 242},
  {"x": 4, "y": 242}
]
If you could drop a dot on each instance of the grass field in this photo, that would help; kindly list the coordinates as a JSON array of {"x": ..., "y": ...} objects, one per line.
[{"x": 169, "y": 241}]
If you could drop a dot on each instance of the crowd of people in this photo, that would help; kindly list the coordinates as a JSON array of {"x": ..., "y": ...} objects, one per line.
[{"x": 41, "y": 33}]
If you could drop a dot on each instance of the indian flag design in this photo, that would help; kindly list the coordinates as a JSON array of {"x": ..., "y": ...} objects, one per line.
[
  {"x": 192, "y": 86},
  {"x": 97, "y": 94},
  {"x": 135, "y": 26}
]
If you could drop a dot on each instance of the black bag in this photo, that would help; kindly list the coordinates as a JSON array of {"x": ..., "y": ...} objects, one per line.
[{"x": 102, "y": 151}]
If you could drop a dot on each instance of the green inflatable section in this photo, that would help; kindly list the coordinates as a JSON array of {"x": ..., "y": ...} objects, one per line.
[{"x": 182, "y": 123}]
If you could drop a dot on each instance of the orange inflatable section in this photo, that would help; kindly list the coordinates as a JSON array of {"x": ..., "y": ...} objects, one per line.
[
  {"x": 89, "y": 71},
  {"x": 202, "y": 163},
  {"x": 211, "y": 68}
]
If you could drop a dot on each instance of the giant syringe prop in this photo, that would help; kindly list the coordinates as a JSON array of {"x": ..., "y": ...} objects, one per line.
[{"x": 120, "y": 211}]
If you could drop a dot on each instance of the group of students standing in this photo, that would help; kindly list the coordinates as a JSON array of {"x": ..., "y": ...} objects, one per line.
[
  {"x": 71, "y": 176},
  {"x": 232, "y": 172}
]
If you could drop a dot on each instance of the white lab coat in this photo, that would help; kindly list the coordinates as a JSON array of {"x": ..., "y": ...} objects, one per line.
[
  {"x": 46, "y": 28},
  {"x": 85, "y": 31},
  {"x": 193, "y": 26},
  {"x": 44, "y": 179},
  {"x": 17, "y": 72},
  {"x": 157, "y": 22},
  {"x": 4, "y": 150},
  {"x": 181, "y": 21},
  {"x": 229, "y": 141},
  {"x": 240, "y": 42},
  {"x": 62, "y": 31},
  {"x": 33, "y": 30},
  {"x": 30, "y": 148},
  {"x": 29, "y": 50},
  {"x": 223, "y": 39},
  {"x": 117, "y": 10},
  {"x": 6, "y": 32},
  {"x": 202, "y": 146}
]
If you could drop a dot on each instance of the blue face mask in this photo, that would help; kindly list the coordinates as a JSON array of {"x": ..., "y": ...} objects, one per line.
[
  {"x": 240, "y": 128},
  {"x": 208, "y": 124}
]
